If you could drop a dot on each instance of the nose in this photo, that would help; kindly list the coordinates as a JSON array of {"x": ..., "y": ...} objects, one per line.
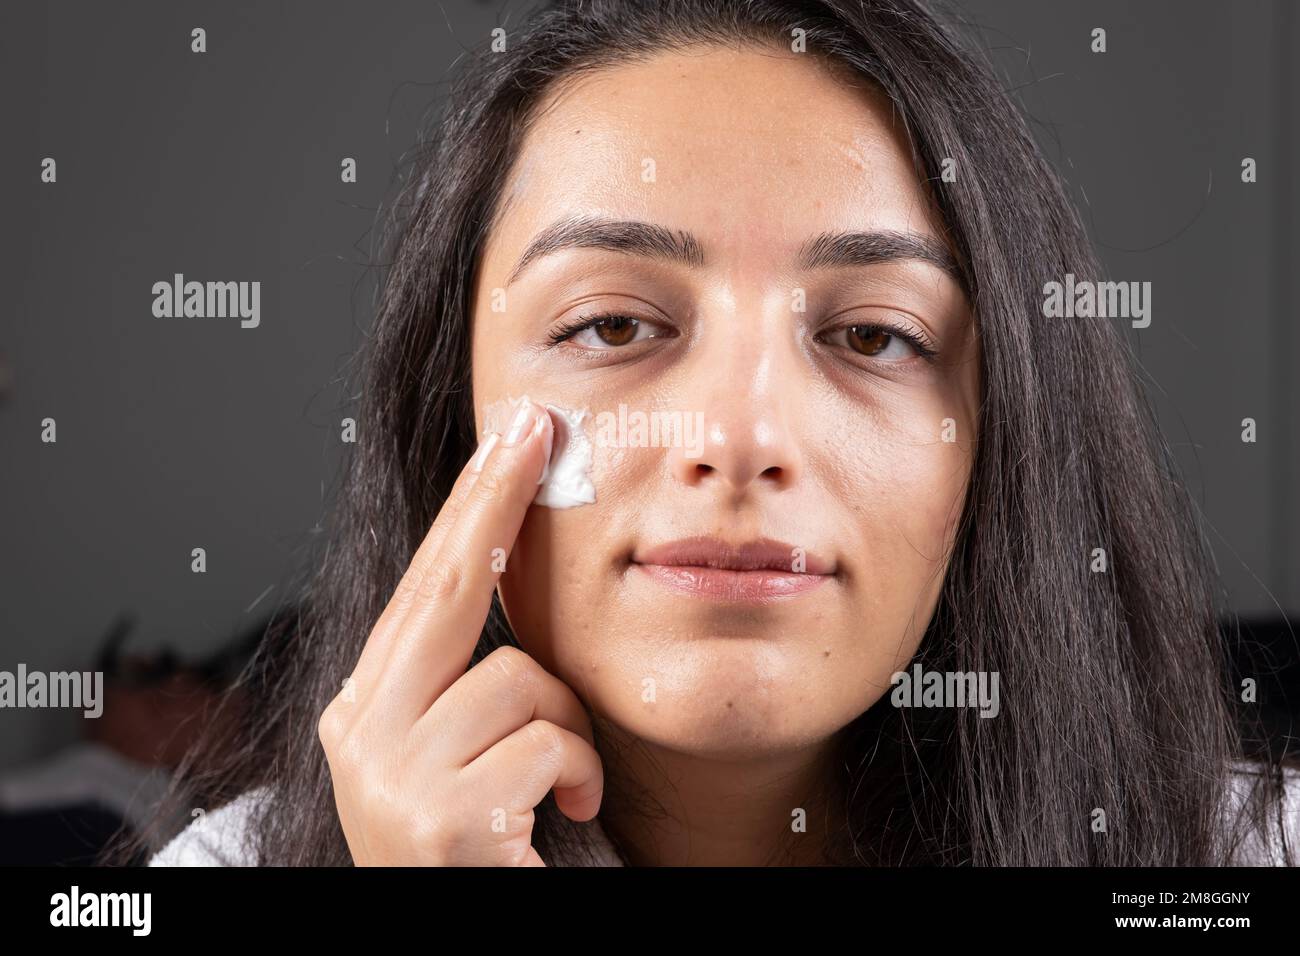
[{"x": 748, "y": 403}]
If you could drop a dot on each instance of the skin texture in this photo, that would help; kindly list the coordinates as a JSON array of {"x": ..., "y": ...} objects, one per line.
[{"x": 723, "y": 714}]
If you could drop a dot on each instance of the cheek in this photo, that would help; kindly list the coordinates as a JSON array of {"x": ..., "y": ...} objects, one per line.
[
  {"x": 915, "y": 502},
  {"x": 546, "y": 575},
  {"x": 904, "y": 492},
  {"x": 559, "y": 587}
]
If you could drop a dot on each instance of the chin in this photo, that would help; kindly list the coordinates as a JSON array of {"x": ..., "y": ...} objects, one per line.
[{"x": 724, "y": 698}]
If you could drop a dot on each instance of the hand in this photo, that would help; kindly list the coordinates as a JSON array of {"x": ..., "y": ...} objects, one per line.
[{"x": 436, "y": 765}]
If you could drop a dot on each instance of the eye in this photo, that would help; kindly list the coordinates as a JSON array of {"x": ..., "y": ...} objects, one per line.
[
  {"x": 882, "y": 342},
  {"x": 608, "y": 331}
]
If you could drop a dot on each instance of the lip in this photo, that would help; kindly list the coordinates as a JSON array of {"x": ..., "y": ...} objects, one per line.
[{"x": 756, "y": 571}]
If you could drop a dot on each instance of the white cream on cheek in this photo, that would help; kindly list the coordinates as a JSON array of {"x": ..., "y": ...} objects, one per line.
[{"x": 566, "y": 476}]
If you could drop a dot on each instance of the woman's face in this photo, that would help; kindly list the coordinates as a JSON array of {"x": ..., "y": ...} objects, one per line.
[{"x": 823, "y": 429}]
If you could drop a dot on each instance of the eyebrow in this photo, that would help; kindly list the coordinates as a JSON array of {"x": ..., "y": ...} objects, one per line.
[
  {"x": 867, "y": 248},
  {"x": 827, "y": 250},
  {"x": 619, "y": 235}
]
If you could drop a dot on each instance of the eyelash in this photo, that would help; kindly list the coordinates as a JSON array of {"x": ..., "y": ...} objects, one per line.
[
  {"x": 583, "y": 322},
  {"x": 922, "y": 347}
]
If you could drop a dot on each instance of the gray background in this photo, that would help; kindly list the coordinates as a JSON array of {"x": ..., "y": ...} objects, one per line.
[{"x": 174, "y": 434}]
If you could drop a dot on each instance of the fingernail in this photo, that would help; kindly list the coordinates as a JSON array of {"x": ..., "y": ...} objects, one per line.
[
  {"x": 548, "y": 437},
  {"x": 526, "y": 411},
  {"x": 485, "y": 449}
]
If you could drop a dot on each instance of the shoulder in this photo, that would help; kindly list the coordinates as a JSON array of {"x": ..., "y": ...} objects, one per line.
[
  {"x": 1260, "y": 844},
  {"x": 218, "y": 837}
]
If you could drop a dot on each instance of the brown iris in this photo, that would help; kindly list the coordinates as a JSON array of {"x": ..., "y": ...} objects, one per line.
[
  {"x": 869, "y": 340},
  {"x": 616, "y": 330}
]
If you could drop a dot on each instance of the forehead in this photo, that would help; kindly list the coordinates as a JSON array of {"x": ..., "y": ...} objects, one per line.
[{"x": 752, "y": 150}]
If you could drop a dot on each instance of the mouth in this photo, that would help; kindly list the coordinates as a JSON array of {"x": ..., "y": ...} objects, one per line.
[{"x": 757, "y": 571}]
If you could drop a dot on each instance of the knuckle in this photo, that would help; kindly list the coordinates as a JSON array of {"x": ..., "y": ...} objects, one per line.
[
  {"x": 404, "y": 595},
  {"x": 329, "y": 728},
  {"x": 515, "y": 669},
  {"x": 492, "y": 483},
  {"x": 352, "y": 754},
  {"x": 546, "y": 738},
  {"x": 408, "y": 588},
  {"x": 441, "y": 582}
]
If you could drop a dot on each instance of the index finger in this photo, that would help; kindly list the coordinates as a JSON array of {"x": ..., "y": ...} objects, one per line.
[{"x": 445, "y": 595}]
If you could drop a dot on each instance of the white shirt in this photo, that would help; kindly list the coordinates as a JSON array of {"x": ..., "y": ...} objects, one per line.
[{"x": 218, "y": 838}]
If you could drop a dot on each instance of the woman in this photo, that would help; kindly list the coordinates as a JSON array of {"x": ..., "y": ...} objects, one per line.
[{"x": 822, "y": 231}]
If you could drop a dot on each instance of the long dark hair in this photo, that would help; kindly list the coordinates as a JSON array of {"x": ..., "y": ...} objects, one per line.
[{"x": 1115, "y": 690}]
